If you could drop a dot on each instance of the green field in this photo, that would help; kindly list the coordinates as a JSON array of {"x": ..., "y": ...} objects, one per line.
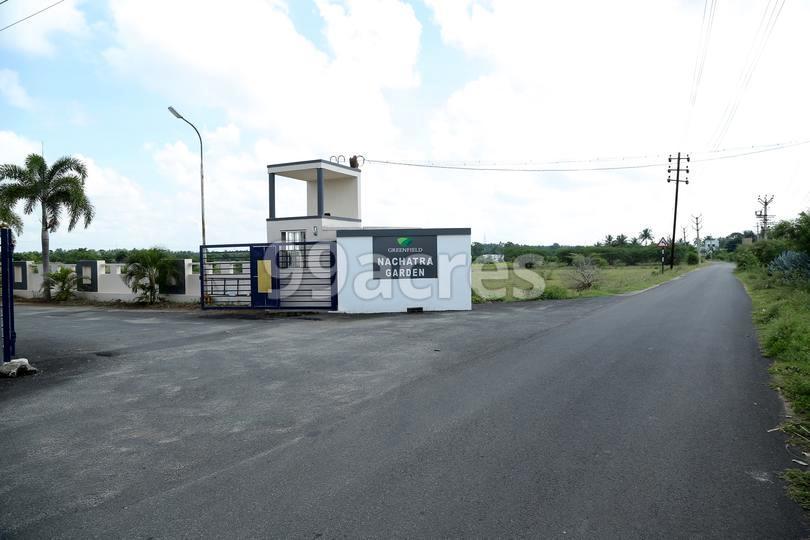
[{"x": 503, "y": 283}]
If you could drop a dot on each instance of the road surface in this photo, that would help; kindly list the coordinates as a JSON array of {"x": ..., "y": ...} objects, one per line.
[{"x": 636, "y": 416}]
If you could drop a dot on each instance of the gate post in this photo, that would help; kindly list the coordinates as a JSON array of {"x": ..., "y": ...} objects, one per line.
[{"x": 7, "y": 293}]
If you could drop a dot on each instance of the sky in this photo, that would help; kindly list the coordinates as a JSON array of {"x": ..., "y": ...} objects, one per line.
[{"x": 498, "y": 84}]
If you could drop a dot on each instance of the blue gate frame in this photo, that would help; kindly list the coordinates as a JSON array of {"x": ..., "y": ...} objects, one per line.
[
  {"x": 260, "y": 298},
  {"x": 241, "y": 291},
  {"x": 7, "y": 294}
]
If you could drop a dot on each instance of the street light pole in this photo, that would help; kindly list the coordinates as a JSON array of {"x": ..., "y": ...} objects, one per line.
[{"x": 202, "y": 177}]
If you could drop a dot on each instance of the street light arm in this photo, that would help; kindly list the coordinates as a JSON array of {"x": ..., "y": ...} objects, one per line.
[{"x": 202, "y": 176}]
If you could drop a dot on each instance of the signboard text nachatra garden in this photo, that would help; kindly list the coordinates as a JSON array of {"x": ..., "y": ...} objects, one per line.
[{"x": 398, "y": 257}]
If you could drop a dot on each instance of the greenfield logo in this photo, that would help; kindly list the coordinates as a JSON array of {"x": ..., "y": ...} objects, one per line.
[{"x": 404, "y": 241}]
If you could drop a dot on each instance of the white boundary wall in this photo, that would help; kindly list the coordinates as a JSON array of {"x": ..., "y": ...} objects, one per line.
[
  {"x": 359, "y": 292},
  {"x": 110, "y": 285}
]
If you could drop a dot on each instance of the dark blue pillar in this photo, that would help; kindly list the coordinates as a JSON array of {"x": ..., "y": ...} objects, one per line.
[
  {"x": 272, "y": 184},
  {"x": 320, "y": 192}
]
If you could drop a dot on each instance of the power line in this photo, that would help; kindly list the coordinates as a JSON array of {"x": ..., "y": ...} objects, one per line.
[
  {"x": 703, "y": 48},
  {"x": 706, "y": 24},
  {"x": 761, "y": 37},
  {"x": 508, "y": 169},
  {"x": 749, "y": 150},
  {"x": 32, "y": 15}
]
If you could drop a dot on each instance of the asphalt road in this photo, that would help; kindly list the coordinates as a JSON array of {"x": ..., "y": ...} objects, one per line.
[{"x": 634, "y": 416}]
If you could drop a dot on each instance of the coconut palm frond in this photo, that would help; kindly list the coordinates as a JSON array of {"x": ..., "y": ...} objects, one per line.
[
  {"x": 12, "y": 172},
  {"x": 65, "y": 166},
  {"x": 36, "y": 165}
]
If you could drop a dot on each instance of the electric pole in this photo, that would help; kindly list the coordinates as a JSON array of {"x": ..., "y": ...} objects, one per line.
[
  {"x": 677, "y": 170},
  {"x": 684, "y": 234},
  {"x": 698, "y": 223},
  {"x": 763, "y": 216}
]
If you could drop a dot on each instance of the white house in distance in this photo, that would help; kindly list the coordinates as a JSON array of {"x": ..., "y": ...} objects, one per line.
[
  {"x": 709, "y": 246},
  {"x": 375, "y": 269}
]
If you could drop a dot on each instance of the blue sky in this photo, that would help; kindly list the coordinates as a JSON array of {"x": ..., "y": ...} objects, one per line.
[{"x": 495, "y": 82}]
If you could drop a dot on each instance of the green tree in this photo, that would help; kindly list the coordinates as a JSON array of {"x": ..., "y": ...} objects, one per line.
[
  {"x": 646, "y": 235},
  {"x": 56, "y": 189},
  {"x": 621, "y": 240},
  {"x": 609, "y": 240}
]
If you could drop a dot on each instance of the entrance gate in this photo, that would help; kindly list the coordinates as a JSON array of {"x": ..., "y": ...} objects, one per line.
[{"x": 294, "y": 275}]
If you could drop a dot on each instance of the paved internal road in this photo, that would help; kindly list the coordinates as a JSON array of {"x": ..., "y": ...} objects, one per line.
[{"x": 635, "y": 416}]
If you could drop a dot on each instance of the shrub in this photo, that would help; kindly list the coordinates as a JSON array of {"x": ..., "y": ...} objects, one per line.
[
  {"x": 554, "y": 292},
  {"x": 63, "y": 281},
  {"x": 767, "y": 250},
  {"x": 745, "y": 259},
  {"x": 790, "y": 267},
  {"x": 585, "y": 274},
  {"x": 146, "y": 270},
  {"x": 601, "y": 262},
  {"x": 692, "y": 258},
  {"x": 529, "y": 260}
]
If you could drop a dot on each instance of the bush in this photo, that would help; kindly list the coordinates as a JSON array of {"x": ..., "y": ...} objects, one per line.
[
  {"x": 601, "y": 262},
  {"x": 529, "y": 260},
  {"x": 790, "y": 267},
  {"x": 585, "y": 274},
  {"x": 146, "y": 271},
  {"x": 745, "y": 259},
  {"x": 63, "y": 281},
  {"x": 692, "y": 258},
  {"x": 554, "y": 292},
  {"x": 767, "y": 250}
]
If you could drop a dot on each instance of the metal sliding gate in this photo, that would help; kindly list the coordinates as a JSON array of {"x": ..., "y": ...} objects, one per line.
[
  {"x": 7, "y": 293},
  {"x": 296, "y": 275}
]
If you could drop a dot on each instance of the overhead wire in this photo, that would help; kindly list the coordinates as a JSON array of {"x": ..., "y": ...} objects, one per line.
[
  {"x": 767, "y": 23},
  {"x": 706, "y": 25},
  {"x": 710, "y": 156},
  {"x": 31, "y": 15}
]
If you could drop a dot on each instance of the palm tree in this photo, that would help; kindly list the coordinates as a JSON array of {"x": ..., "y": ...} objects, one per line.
[
  {"x": 147, "y": 270},
  {"x": 646, "y": 236},
  {"x": 55, "y": 189},
  {"x": 634, "y": 241},
  {"x": 621, "y": 240},
  {"x": 609, "y": 240}
]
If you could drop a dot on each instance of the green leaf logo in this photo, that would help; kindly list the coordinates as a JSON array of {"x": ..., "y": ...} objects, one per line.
[{"x": 404, "y": 241}]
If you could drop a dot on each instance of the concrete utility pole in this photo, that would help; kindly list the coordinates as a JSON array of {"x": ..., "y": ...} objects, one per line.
[
  {"x": 677, "y": 170},
  {"x": 698, "y": 223},
  {"x": 763, "y": 216},
  {"x": 683, "y": 229}
]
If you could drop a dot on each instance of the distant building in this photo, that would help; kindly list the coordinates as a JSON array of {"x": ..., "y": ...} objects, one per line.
[
  {"x": 710, "y": 245},
  {"x": 490, "y": 258}
]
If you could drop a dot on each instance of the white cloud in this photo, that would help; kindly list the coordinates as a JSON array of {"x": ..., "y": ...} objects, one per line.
[
  {"x": 36, "y": 34},
  {"x": 268, "y": 77},
  {"x": 13, "y": 91},
  {"x": 573, "y": 80}
]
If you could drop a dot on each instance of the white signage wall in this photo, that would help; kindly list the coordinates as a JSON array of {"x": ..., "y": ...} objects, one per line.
[{"x": 390, "y": 270}]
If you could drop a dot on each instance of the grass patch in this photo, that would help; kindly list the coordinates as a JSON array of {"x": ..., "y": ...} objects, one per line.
[
  {"x": 798, "y": 486},
  {"x": 781, "y": 314},
  {"x": 507, "y": 284}
]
